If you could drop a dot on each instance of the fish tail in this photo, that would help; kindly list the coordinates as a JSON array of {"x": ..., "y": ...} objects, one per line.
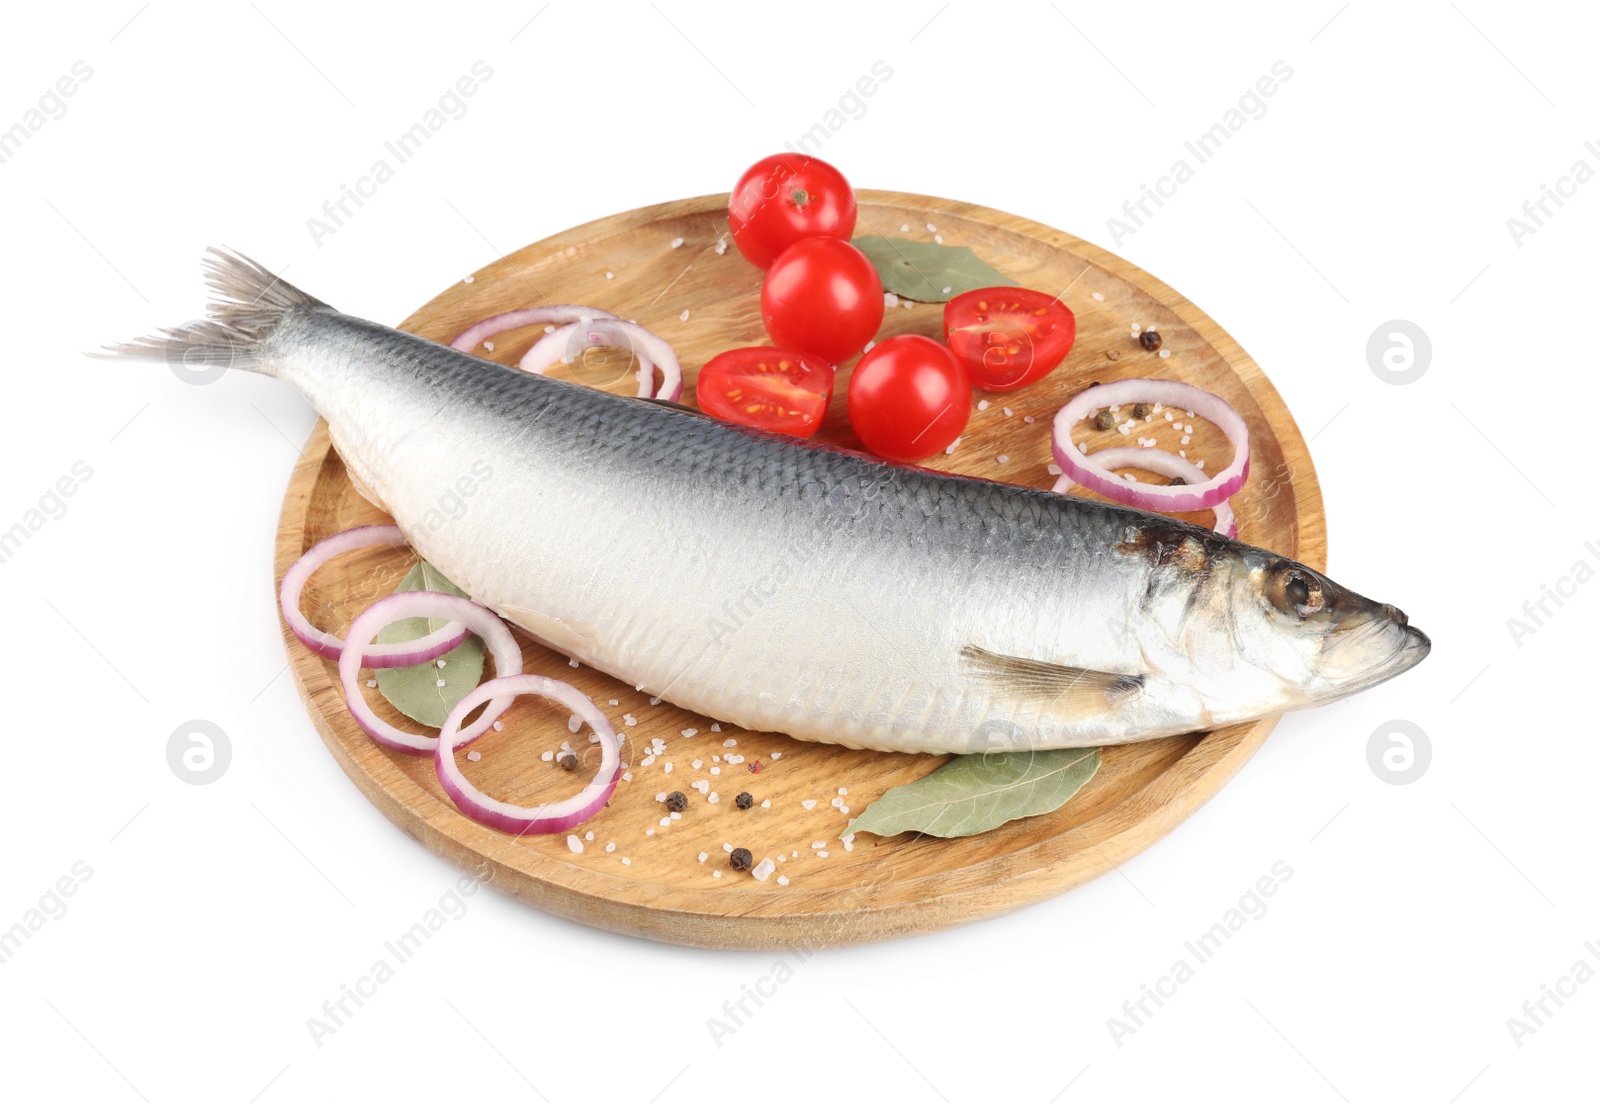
[{"x": 247, "y": 303}]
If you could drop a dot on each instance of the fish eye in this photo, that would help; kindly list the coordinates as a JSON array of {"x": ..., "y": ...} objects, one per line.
[{"x": 1294, "y": 591}]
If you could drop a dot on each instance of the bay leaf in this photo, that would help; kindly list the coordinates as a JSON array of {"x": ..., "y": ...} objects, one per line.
[
  {"x": 979, "y": 791},
  {"x": 415, "y": 690},
  {"x": 927, "y": 272}
]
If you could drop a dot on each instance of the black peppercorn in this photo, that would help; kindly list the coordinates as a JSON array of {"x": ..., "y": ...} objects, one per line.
[
  {"x": 1141, "y": 410},
  {"x": 677, "y": 801},
  {"x": 740, "y": 859},
  {"x": 1150, "y": 340},
  {"x": 743, "y": 801},
  {"x": 568, "y": 761},
  {"x": 1176, "y": 481},
  {"x": 1104, "y": 420}
]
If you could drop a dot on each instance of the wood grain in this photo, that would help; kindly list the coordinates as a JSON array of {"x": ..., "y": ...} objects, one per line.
[{"x": 882, "y": 887}]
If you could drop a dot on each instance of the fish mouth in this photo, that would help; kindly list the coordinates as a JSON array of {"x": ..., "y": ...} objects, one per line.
[{"x": 1369, "y": 647}]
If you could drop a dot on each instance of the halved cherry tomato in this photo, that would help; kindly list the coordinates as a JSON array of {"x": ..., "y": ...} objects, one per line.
[
  {"x": 822, "y": 296},
  {"x": 1008, "y": 337},
  {"x": 760, "y": 386},
  {"x": 909, "y": 398},
  {"x": 784, "y": 198}
]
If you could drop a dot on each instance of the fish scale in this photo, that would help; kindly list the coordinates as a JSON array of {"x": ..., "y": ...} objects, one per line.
[{"x": 786, "y": 586}]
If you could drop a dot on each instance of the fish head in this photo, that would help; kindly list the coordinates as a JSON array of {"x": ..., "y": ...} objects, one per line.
[{"x": 1320, "y": 640}]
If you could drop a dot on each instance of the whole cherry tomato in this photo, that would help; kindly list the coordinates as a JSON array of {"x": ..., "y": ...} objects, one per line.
[
  {"x": 909, "y": 398},
  {"x": 822, "y": 296},
  {"x": 784, "y": 198}
]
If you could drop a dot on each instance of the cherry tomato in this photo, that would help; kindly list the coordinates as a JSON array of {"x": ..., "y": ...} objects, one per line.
[
  {"x": 775, "y": 390},
  {"x": 822, "y": 296},
  {"x": 1008, "y": 337},
  {"x": 784, "y": 198},
  {"x": 909, "y": 398}
]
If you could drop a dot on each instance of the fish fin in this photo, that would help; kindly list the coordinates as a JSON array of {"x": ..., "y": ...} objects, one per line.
[
  {"x": 557, "y": 633},
  {"x": 248, "y": 301},
  {"x": 1067, "y": 689}
]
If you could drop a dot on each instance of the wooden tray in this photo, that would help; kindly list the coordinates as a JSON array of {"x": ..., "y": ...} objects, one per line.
[{"x": 882, "y": 887}]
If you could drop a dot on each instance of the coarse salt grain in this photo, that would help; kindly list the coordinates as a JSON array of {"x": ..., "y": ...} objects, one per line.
[
  {"x": 588, "y": 836},
  {"x": 716, "y": 872},
  {"x": 1003, "y": 458},
  {"x": 729, "y": 743},
  {"x": 688, "y": 732},
  {"x": 574, "y": 843},
  {"x": 372, "y": 684},
  {"x": 627, "y": 776},
  {"x": 1165, "y": 353},
  {"x": 438, "y": 684},
  {"x": 609, "y": 274},
  {"x": 939, "y": 238},
  {"x": 950, "y": 449},
  {"x": 822, "y": 853},
  {"x": 983, "y": 405},
  {"x": 627, "y": 860},
  {"x": 763, "y": 869},
  {"x": 629, "y": 720},
  {"x": 931, "y": 227},
  {"x": 946, "y": 290},
  {"x": 844, "y": 809},
  {"x": 661, "y": 797},
  {"x": 650, "y": 832},
  {"x": 683, "y": 316},
  {"x": 674, "y": 815},
  {"x": 808, "y": 804},
  {"x": 549, "y": 330},
  {"x": 547, "y": 755},
  {"x": 712, "y": 798},
  {"x": 766, "y": 803},
  {"x": 776, "y": 755},
  {"x": 668, "y": 769},
  {"x": 890, "y": 300},
  {"x": 716, "y": 770},
  {"x": 716, "y": 728},
  {"x": 835, "y": 801},
  {"x": 676, "y": 243},
  {"x": 733, "y": 759},
  {"x": 646, "y": 761},
  {"x": 783, "y": 880},
  {"x": 703, "y": 856},
  {"x": 654, "y": 700},
  {"x": 1184, "y": 441},
  {"x": 474, "y": 755},
  {"x": 722, "y": 247},
  {"x": 611, "y": 847},
  {"x": 696, "y": 763},
  {"x": 665, "y": 821},
  {"x": 1201, "y": 464},
  {"x": 1053, "y": 469},
  {"x": 904, "y": 227},
  {"x": 727, "y": 847},
  {"x": 573, "y": 662},
  {"x": 466, "y": 279}
]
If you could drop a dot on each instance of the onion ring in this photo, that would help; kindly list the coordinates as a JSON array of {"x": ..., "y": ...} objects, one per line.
[
  {"x": 1164, "y": 464},
  {"x": 547, "y": 818},
  {"x": 390, "y": 656},
  {"x": 433, "y": 605},
  {"x": 1081, "y": 469},
  {"x": 648, "y": 347},
  {"x": 467, "y": 341}
]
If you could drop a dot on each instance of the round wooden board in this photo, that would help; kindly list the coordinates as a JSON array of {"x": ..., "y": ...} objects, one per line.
[{"x": 882, "y": 887}]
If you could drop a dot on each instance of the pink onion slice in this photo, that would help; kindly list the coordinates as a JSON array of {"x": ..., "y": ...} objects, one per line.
[
  {"x": 430, "y": 605},
  {"x": 649, "y": 348},
  {"x": 391, "y": 656},
  {"x": 1162, "y": 463},
  {"x": 469, "y": 339},
  {"x": 547, "y": 818},
  {"x": 1176, "y": 394}
]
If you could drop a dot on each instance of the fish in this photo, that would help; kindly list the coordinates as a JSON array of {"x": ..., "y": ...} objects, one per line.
[{"x": 788, "y": 586}]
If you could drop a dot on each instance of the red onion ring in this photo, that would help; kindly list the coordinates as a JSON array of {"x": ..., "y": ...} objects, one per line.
[
  {"x": 649, "y": 348},
  {"x": 1164, "y": 464},
  {"x": 468, "y": 340},
  {"x": 1176, "y": 394},
  {"x": 547, "y": 818},
  {"x": 432, "y": 605},
  {"x": 391, "y": 656}
]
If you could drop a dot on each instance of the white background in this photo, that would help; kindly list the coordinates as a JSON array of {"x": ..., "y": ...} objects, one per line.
[{"x": 218, "y": 919}]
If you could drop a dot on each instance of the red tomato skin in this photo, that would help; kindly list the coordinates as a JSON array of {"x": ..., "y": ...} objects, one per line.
[
  {"x": 909, "y": 398},
  {"x": 823, "y": 297},
  {"x": 806, "y": 390},
  {"x": 784, "y": 198},
  {"x": 1008, "y": 337}
]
